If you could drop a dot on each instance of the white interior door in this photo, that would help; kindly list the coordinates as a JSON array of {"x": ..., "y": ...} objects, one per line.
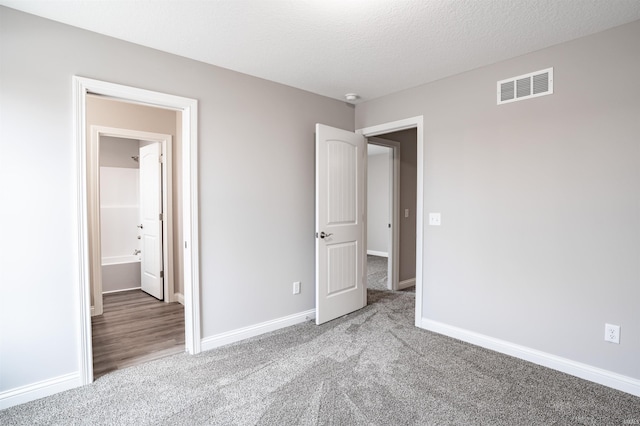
[
  {"x": 151, "y": 219},
  {"x": 340, "y": 244}
]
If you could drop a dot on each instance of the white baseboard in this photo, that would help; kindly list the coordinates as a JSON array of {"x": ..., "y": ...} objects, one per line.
[
  {"x": 378, "y": 253},
  {"x": 233, "y": 336},
  {"x": 406, "y": 283},
  {"x": 179, "y": 297},
  {"x": 39, "y": 390},
  {"x": 121, "y": 290},
  {"x": 583, "y": 371}
]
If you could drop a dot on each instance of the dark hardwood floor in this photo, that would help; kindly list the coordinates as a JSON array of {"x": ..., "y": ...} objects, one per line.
[{"x": 135, "y": 328}]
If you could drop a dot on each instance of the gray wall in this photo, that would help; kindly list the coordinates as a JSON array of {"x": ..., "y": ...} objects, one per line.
[
  {"x": 378, "y": 202},
  {"x": 539, "y": 243},
  {"x": 256, "y": 174}
]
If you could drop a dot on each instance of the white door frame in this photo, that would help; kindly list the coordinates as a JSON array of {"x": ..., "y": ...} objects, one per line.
[
  {"x": 191, "y": 278},
  {"x": 93, "y": 217},
  {"x": 394, "y": 126},
  {"x": 393, "y": 245}
]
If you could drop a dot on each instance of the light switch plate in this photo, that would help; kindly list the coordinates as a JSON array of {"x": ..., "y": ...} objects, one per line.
[{"x": 434, "y": 219}]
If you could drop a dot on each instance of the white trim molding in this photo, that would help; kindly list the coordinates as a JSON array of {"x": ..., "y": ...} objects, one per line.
[
  {"x": 118, "y": 291},
  {"x": 39, "y": 390},
  {"x": 377, "y": 253},
  {"x": 574, "y": 368},
  {"x": 256, "y": 330}
]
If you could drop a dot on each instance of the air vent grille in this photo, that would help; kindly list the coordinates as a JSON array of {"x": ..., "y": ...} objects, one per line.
[
  {"x": 525, "y": 86},
  {"x": 541, "y": 83},
  {"x": 507, "y": 91}
]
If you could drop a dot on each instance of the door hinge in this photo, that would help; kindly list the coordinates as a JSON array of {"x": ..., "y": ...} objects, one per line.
[
  {"x": 317, "y": 236},
  {"x": 160, "y": 217},
  {"x": 161, "y": 274},
  {"x": 160, "y": 158}
]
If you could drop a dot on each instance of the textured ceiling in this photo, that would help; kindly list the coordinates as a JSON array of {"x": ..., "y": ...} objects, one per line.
[{"x": 333, "y": 47}]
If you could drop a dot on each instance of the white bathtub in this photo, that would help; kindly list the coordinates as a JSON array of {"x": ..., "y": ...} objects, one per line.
[{"x": 120, "y": 273}]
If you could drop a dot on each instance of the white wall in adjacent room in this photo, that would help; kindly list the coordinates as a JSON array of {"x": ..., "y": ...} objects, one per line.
[{"x": 378, "y": 201}]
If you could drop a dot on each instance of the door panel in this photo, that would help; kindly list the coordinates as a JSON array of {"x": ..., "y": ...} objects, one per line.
[
  {"x": 342, "y": 267},
  {"x": 150, "y": 211},
  {"x": 340, "y": 253}
]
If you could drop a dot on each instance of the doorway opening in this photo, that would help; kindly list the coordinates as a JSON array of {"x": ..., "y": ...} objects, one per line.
[
  {"x": 411, "y": 130},
  {"x": 341, "y": 217},
  {"x": 380, "y": 214},
  {"x": 131, "y": 209},
  {"x": 185, "y": 210},
  {"x": 391, "y": 210},
  {"x": 131, "y": 236}
]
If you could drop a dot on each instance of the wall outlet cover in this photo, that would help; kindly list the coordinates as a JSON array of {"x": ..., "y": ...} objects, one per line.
[{"x": 612, "y": 333}]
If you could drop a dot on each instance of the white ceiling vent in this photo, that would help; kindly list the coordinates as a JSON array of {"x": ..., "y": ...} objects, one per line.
[{"x": 525, "y": 86}]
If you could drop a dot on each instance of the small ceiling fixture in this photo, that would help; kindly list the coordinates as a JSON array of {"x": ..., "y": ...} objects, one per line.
[{"x": 351, "y": 97}]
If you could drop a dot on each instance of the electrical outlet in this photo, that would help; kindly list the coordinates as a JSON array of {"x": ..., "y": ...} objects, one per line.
[
  {"x": 296, "y": 287},
  {"x": 612, "y": 333},
  {"x": 434, "y": 219}
]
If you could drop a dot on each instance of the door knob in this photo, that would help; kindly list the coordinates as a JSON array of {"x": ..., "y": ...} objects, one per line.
[{"x": 323, "y": 235}]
